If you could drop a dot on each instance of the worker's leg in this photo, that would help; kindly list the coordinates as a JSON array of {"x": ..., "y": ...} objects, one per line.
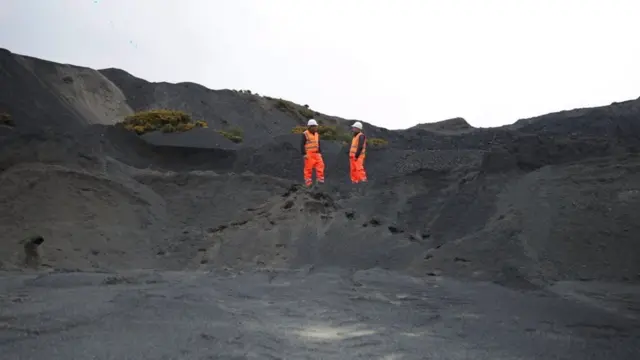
[
  {"x": 308, "y": 168},
  {"x": 360, "y": 171},
  {"x": 352, "y": 170},
  {"x": 319, "y": 166}
]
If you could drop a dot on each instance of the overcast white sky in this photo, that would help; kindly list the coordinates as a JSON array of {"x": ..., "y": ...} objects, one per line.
[{"x": 393, "y": 63}]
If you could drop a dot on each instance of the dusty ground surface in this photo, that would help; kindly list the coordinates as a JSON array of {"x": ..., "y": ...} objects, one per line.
[
  {"x": 517, "y": 242},
  {"x": 298, "y": 315}
]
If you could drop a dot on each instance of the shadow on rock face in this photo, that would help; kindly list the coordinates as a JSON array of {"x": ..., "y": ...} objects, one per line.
[
  {"x": 319, "y": 203},
  {"x": 32, "y": 257},
  {"x": 498, "y": 161}
]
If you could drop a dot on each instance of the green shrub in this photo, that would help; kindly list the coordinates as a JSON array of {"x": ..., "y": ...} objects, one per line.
[
  {"x": 234, "y": 134},
  {"x": 306, "y": 113},
  {"x": 164, "y": 120},
  {"x": 285, "y": 106},
  {"x": 6, "y": 119},
  {"x": 294, "y": 109}
]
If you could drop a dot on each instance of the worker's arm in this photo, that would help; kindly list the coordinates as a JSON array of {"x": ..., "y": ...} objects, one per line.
[
  {"x": 361, "y": 141},
  {"x": 303, "y": 141}
]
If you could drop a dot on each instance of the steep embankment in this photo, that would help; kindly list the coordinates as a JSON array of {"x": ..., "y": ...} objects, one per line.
[
  {"x": 544, "y": 199},
  {"x": 41, "y": 94}
]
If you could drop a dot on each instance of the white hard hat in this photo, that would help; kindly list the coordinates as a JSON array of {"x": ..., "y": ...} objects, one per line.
[
  {"x": 312, "y": 122},
  {"x": 357, "y": 125}
]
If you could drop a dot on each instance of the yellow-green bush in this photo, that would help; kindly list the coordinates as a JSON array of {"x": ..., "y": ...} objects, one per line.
[
  {"x": 6, "y": 119},
  {"x": 234, "y": 134},
  {"x": 298, "y": 129},
  {"x": 185, "y": 127},
  {"x": 162, "y": 119},
  {"x": 377, "y": 142}
]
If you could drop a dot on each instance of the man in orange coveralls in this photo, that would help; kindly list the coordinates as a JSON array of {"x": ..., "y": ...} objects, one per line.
[
  {"x": 310, "y": 147},
  {"x": 357, "y": 154}
]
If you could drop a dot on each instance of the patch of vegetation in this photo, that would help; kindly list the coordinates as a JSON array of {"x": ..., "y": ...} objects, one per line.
[
  {"x": 6, "y": 119},
  {"x": 167, "y": 121},
  {"x": 306, "y": 113},
  {"x": 234, "y": 134},
  {"x": 377, "y": 142},
  {"x": 294, "y": 109},
  {"x": 248, "y": 92}
]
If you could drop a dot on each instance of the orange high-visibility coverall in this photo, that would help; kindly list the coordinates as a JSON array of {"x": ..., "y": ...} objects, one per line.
[
  {"x": 357, "y": 154},
  {"x": 312, "y": 157}
]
